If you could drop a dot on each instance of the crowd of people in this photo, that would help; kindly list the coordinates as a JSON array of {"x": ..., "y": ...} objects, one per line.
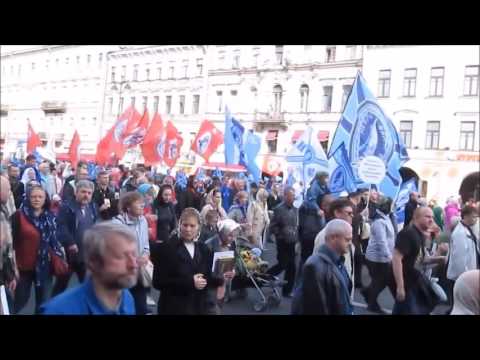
[{"x": 122, "y": 232}]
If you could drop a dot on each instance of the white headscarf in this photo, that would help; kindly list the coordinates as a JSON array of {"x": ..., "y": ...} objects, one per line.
[
  {"x": 466, "y": 294},
  {"x": 25, "y": 178}
]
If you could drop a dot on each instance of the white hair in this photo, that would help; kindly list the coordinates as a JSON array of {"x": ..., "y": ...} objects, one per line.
[
  {"x": 227, "y": 226},
  {"x": 337, "y": 227}
]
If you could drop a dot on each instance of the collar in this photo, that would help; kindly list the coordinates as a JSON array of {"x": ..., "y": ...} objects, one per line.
[
  {"x": 336, "y": 259},
  {"x": 95, "y": 306}
]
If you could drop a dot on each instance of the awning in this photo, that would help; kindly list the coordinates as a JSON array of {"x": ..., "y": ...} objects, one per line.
[
  {"x": 323, "y": 135},
  {"x": 271, "y": 135},
  {"x": 297, "y": 134}
]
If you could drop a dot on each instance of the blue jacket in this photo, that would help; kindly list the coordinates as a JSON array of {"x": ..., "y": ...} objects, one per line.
[
  {"x": 313, "y": 193},
  {"x": 82, "y": 300}
]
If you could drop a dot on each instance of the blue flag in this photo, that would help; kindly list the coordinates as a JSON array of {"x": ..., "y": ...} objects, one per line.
[
  {"x": 406, "y": 188},
  {"x": 364, "y": 130}
]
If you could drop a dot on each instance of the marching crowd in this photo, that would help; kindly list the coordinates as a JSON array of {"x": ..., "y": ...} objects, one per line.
[{"x": 126, "y": 231}]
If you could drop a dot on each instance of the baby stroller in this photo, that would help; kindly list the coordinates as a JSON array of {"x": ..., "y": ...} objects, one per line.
[{"x": 252, "y": 273}]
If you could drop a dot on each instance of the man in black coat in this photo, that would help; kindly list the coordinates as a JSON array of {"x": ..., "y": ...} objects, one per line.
[
  {"x": 18, "y": 189},
  {"x": 81, "y": 173},
  {"x": 105, "y": 197},
  {"x": 325, "y": 286}
]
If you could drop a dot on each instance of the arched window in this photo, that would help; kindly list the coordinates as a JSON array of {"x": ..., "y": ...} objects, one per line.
[
  {"x": 277, "y": 95},
  {"x": 304, "y": 98}
]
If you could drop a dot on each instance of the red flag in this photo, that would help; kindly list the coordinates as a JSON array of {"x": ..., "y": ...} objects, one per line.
[
  {"x": 173, "y": 144},
  {"x": 272, "y": 165},
  {"x": 74, "y": 150},
  {"x": 33, "y": 140},
  {"x": 136, "y": 130},
  {"x": 153, "y": 147},
  {"x": 207, "y": 140}
]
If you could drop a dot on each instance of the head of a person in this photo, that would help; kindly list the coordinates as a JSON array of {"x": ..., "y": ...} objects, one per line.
[
  {"x": 38, "y": 198},
  {"x": 132, "y": 203},
  {"x": 111, "y": 255},
  {"x": 338, "y": 236},
  {"x": 253, "y": 189},
  {"x": 190, "y": 224},
  {"x": 30, "y": 174},
  {"x": 4, "y": 189},
  {"x": 83, "y": 192},
  {"x": 211, "y": 217},
  {"x": 342, "y": 208},
  {"x": 262, "y": 196},
  {"x": 165, "y": 194},
  {"x": 241, "y": 198},
  {"x": 240, "y": 184},
  {"x": 414, "y": 196},
  {"x": 229, "y": 231},
  {"x": 168, "y": 180},
  {"x": 322, "y": 177},
  {"x": 374, "y": 196},
  {"x": 325, "y": 202},
  {"x": 44, "y": 168},
  {"x": 466, "y": 294},
  {"x": 289, "y": 195},
  {"x": 148, "y": 193},
  {"x": 469, "y": 215},
  {"x": 261, "y": 184},
  {"x": 216, "y": 197},
  {"x": 384, "y": 204},
  {"x": 191, "y": 182},
  {"x": 103, "y": 178},
  {"x": 355, "y": 197},
  {"x": 30, "y": 160},
  {"x": 423, "y": 218},
  {"x": 13, "y": 171},
  {"x": 81, "y": 172},
  {"x": 276, "y": 188}
]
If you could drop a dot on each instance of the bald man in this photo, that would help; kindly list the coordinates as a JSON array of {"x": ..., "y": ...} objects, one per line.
[
  {"x": 407, "y": 255},
  {"x": 325, "y": 286}
]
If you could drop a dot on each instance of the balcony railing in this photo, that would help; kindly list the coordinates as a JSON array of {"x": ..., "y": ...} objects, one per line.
[{"x": 50, "y": 107}]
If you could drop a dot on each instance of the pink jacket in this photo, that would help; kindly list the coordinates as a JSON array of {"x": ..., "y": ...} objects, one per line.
[{"x": 451, "y": 210}]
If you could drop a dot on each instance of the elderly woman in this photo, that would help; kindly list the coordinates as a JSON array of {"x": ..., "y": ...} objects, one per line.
[
  {"x": 183, "y": 270},
  {"x": 238, "y": 213},
  {"x": 257, "y": 217},
  {"x": 214, "y": 202},
  {"x": 34, "y": 237},
  {"x": 466, "y": 294},
  {"x": 131, "y": 208}
]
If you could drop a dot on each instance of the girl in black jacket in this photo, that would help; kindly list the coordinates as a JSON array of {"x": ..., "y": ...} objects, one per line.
[
  {"x": 166, "y": 219},
  {"x": 182, "y": 270}
]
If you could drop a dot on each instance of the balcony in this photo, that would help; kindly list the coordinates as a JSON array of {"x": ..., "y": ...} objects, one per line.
[
  {"x": 54, "y": 107},
  {"x": 3, "y": 110},
  {"x": 269, "y": 119}
]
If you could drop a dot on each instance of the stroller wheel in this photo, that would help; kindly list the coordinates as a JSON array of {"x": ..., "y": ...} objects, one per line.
[
  {"x": 274, "y": 301},
  {"x": 259, "y": 306}
]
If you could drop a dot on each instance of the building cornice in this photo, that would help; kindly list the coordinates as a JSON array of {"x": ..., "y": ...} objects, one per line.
[
  {"x": 42, "y": 48},
  {"x": 154, "y": 50}
]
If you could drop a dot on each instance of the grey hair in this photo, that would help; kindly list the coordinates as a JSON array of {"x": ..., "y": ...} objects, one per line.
[
  {"x": 287, "y": 189},
  {"x": 226, "y": 226},
  {"x": 81, "y": 184},
  {"x": 94, "y": 240},
  {"x": 336, "y": 227}
]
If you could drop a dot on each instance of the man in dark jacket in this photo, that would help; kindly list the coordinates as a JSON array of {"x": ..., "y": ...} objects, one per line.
[
  {"x": 74, "y": 218},
  {"x": 105, "y": 197},
  {"x": 410, "y": 208},
  {"x": 284, "y": 226},
  {"x": 325, "y": 286},
  {"x": 81, "y": 173},
  {"x": 18, "y": 189},
  {"x": 318, "y": 187},
  {"x": 357, "y": 225}
]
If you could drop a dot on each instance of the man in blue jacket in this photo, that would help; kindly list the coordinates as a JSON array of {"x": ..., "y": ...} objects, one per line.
[
  {"x": 111, "y": 258},
  {"x": 74, "y": 218},
  {"x": 318, "y": 187}
]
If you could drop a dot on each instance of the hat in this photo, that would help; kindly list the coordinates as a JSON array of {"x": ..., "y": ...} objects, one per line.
[
  {"x": 228, "y": 225},
  {"x": 144, "y": 188}
]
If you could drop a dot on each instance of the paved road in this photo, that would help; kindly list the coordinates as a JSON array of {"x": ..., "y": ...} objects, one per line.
[{"x": 245, "y": 306}]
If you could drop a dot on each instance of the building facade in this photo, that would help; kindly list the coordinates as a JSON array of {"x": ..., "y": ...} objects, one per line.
[{"x": 432, "y": 95}]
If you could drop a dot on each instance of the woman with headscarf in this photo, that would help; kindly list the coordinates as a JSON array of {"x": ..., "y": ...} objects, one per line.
[
  {"x": 165, "y": 211},
  {"x": 34, "y": 236},
  {"x": 238, "y": 213},
  {"x": 466, "y": 294},
  {"x": 214, "y": 202},
  {"x": 257, "y": 217},
  {"x": 452, "y": 210}
]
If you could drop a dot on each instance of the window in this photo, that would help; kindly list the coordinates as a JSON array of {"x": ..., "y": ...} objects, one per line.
[
  {"x": 147, "y": 74},
  {"x": 57, "y": 62},
  {"x": 304, "y": 98},
  {"x": 89, "y": 59},
  {"x": 172, "y": 72},
  {"x": 221, "y": 59},
  {"x": 110, "y": 106},
  {"x": 196, "y": 104},
  {"x": 331, "y": 50},
  {"x": 19, "y": 70},
  {"x": 272, "y": 137},
  {"x": 233, "y": 92},
  {"x": 346, "y": 92},
  {"x": 168, "y": 104},
  {"x": 47, "y": 64},
  {"x": 78, "y": 60},
  {"x": 256, "y": 54},
  {"x": 135, "y": 72},
  {"x": 113, "y": 74},
  {"x": 327, "y": 98},
  {"x": 199, "y": 67},
  {"x": 307, "y": 50},
  {"x": 124, "y": 73},
  {"x": 384, "y": 83},
  {"x": 120, "y": 104},
  {"x": 94, "y": 121},
  {"x": 236, "y": 59},
  {"x": 182, "y": 104},
  {"x": 220, "y": 100},
  {"x": 279, "y": 54},
  {"x": 100, "y": 58},
  {"x": 471, "y": 80},
  {"x": 159, "y": 72},
  {"x": 185, "y": 68},
  {"x": 351, "y": 51},
  {"x": 144, "y": 103},
  {"x": 277, "y": 96},
  {"x": 33, "y": 66},
  {"x": 155, "y": 104},
  {"x": 433, "y": 135},
  {"x": 132, "y": 101},
  {"x": 467, "y": 135},
  {"x": 406, "y": 127},
  {"x": 436, "y": 81},
  {"x": 409, "y": 82},
  {"x": 67, "y": 61}
]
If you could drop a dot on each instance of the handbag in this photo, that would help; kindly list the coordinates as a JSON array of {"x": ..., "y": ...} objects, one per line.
[
  {"x": 146, "y": 274},
  {"x": 59, "y": 266}
]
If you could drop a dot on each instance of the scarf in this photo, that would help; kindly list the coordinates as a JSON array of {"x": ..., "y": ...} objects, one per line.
[{"x": 47, "y": 226}]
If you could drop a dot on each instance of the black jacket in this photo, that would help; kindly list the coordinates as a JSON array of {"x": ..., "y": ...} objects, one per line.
[
  {"x": 173, "y": 276},
  {"x": 272, "y": 203},
  {"x": 18, "y": 190},
  {"x": 409, "y": 210},
  {"x": 284, "y": 224},
  {"x": 166, "y": 220},
  {"x": 100, "y": 195}
]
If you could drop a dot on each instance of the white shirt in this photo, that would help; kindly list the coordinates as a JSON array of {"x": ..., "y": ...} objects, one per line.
[
  {"x": 191, "y": 248},
  {"x": 462, "y": 252}
]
